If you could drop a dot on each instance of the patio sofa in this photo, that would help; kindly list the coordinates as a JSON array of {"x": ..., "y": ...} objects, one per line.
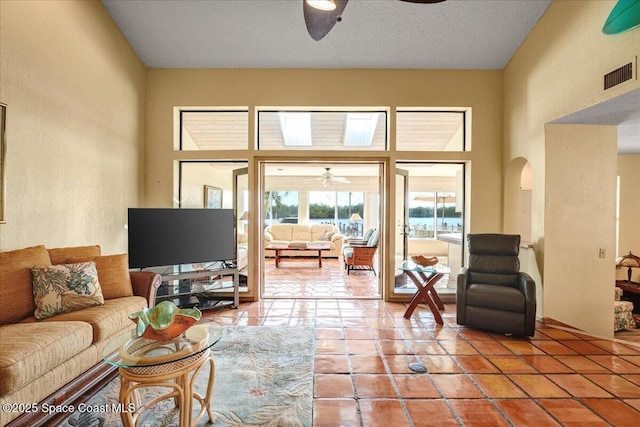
[
  {"x": 57, "y": 358},
  {"x": 307, "y": 233}
]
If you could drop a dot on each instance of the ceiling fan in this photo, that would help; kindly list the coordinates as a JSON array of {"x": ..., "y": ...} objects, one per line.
[
  {"x": 328, "y": 178},
  {"x": 321, "y": 15}
]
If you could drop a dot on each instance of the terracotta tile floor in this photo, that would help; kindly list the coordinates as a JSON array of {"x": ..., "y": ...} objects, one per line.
[
  {"x": 301, "y": 278},
  {"x": 364, "y": 347}
]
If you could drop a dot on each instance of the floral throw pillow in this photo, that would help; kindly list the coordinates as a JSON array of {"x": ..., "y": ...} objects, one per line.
[{"x": 64, "y": 288}]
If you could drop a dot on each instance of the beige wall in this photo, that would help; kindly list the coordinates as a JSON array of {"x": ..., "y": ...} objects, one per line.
[
  {"x": 558, "y": 70},
  {"x": 578, "y": 284},
  {"x": 629, "y": 173},
  {"x": 75, "y": 95}
]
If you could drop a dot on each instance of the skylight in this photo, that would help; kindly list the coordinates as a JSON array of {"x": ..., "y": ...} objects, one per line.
[
  {"x": 359, "y": 129},
  {"x": 296, "y": 128}
]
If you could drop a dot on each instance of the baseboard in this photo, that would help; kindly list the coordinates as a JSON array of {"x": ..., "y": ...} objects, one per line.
[{"x": 553, "y": 322}]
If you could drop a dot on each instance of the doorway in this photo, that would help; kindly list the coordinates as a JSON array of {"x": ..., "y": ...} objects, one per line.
[
  {"x": 305, "y": 202},
  {"x": 430, "y": 220}
]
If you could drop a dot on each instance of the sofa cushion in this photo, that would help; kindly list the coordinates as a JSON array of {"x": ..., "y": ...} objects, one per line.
[
  {"x": 108, "y": 319},
  {"x": 113, "y": 273},
  {"x": 64, "y": 255},
  {"x": 29, "y": 350},
  {"x": 301, "y": 232},
  {"x": 16, "y": 294},
  {"x": 64, "y": 288},
  {"x": 280, "y": 231}
]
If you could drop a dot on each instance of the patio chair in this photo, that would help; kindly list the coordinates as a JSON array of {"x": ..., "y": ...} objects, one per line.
[
  {"x": 359, "y": 240},
  {"x": 492, "y": 292},
  {"x": 359, "y": 255}
]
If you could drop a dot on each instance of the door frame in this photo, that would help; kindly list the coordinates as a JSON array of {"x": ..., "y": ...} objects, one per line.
[{"x": 258, "y": 199}]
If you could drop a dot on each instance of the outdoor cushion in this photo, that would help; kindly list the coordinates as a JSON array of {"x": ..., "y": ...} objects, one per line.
[
  {"x": 373, "y": 239},
  {"x": 348, "y": 252}
]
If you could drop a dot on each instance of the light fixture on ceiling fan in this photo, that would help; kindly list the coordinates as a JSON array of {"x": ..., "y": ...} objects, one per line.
[
  {"x": 327, "y": 178},
  {"x": 322, "y": 4},
  {"x": 321, "y": 15}
]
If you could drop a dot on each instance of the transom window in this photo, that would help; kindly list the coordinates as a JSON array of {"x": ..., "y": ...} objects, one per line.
[
  {"x": 430, "y": 131},
  {"x": 214, "y": 130},
  {"x": 322, "y": 130}
]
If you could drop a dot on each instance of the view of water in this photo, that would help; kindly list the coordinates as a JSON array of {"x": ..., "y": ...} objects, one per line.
[{"x": 418, "y": 225}]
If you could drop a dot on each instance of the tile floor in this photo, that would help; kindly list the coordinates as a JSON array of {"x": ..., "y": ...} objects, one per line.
[
  {"x": 364, "y": 348},
  {"x": 301, "y": 278}
]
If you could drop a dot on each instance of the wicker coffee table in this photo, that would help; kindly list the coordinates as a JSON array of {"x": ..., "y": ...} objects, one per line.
[{"x": 146, "y": 363}]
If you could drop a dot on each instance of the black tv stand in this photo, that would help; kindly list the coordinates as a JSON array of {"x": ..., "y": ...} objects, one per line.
[{"x": 209, "y": 288}]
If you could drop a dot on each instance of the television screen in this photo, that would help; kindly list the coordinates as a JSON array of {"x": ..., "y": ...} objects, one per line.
[{"x": 160, "y": 237}]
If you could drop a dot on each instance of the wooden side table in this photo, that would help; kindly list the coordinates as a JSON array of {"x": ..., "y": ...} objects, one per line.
[{"x": 425, "y": 279}]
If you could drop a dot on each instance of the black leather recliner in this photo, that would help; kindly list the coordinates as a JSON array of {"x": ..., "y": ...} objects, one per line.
[{"x": 492, "y": 292}]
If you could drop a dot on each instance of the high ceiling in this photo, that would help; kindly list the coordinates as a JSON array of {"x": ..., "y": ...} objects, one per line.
[{"x": 455, "y": 34}]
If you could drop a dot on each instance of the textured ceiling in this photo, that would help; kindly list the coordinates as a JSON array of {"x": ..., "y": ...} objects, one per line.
[{"x": 455, "y": 34}]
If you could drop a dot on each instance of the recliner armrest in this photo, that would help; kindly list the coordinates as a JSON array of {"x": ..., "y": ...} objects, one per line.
[
  {"x": 461, "y": 295},
  {"x": 528, "y": 287}
]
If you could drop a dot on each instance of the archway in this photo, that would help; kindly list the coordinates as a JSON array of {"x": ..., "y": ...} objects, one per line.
[
  {"x": 517, "y": 198},
  {"x": 517, "y": 220}
]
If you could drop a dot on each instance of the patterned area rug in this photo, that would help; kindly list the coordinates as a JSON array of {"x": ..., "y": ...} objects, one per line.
[{"x": 264, "y": 377}]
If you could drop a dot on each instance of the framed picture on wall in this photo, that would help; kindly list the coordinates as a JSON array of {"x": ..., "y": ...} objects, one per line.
[
  {"x": 3, "y": 151},
  {"x": 212, "y": 197}
]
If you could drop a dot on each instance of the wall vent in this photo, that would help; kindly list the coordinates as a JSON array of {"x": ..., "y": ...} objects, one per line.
[{"x": 618, "y": 76}]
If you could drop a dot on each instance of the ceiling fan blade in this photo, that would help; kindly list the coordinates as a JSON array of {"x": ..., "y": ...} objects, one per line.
[{"x": 320, "y": 22}]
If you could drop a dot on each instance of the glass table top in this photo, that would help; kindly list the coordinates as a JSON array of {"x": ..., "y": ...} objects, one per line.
[
  {"x": 409, "y": 265},
  {"x": 130, "y": 351}
]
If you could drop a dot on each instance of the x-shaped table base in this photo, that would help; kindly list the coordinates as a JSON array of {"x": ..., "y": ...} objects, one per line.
[{"x": 426, "y": 293}]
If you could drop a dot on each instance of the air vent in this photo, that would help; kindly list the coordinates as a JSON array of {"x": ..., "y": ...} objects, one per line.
[{"x": 618, "y": 76}]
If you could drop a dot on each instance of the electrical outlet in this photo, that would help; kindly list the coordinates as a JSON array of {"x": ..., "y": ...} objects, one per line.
[{"x": 602, "y": 253}]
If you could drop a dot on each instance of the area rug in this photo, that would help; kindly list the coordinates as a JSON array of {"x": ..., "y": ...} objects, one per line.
[{"x": 264, "y": 377}]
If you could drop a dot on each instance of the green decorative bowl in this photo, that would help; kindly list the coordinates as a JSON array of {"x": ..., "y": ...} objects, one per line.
[{"x": 165, "y": 321}]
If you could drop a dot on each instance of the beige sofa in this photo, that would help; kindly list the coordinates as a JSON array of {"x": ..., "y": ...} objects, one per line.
[
  {"x": 49, "y": 360},
  {"x": 308, "y": 233}
]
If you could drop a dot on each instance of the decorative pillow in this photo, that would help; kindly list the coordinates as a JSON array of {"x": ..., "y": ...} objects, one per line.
[
  {"x": 113, "y": 273},
  {"x": 64, "y": 288},
  {"x": 327, "y": 236}
]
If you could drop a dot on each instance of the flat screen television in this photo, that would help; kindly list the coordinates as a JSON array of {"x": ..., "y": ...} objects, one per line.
[{"x": 161, "y": 237}]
